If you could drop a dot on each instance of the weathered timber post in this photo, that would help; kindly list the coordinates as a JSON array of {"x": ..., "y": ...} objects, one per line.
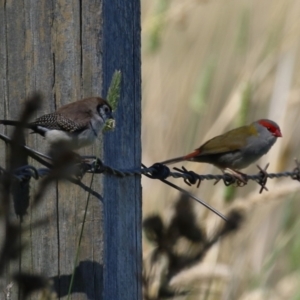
[
  {"x": 69, "y": 50},
  {"x": 122, "y": 207}
]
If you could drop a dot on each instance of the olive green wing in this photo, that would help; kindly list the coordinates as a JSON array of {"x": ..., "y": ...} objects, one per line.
[{"x": 232, "y": 140}]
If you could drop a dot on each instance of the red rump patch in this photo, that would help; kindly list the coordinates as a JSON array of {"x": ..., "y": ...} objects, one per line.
[{"x": 193, "y": 154}]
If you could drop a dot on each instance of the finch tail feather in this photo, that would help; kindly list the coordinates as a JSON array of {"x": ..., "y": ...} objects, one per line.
[
  {"x": 10, "y": 122},
  {"x": 33, "y": 127},
  {"x": 192, "y": 155},
  {"x": 173, "y": 160},
  {"x": 181, "y": 158}
]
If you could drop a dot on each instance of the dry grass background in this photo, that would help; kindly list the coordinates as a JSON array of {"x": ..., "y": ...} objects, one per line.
[{"x": 209, "y": 66}]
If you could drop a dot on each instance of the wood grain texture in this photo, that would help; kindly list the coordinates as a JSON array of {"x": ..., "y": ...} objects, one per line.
[
  {"x": 76, "y": 60},
  {"x": 57, "y": 47},
  {"x": 28, "y": 69},
  {"x": 122, "y": 197}
]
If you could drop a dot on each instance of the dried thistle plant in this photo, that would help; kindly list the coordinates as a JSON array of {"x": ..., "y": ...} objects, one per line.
[{"x": 178, "y": 247}]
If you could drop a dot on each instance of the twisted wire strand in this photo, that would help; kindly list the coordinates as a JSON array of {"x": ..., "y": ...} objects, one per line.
[{"x": 157, "y": 171}]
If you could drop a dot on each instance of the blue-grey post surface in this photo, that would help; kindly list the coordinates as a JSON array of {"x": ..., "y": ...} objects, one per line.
[{"x": 122, "y": 150}]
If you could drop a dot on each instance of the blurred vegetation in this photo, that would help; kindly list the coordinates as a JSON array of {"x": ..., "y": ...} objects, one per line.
[
  {"x": 157, "y": 24},
  {"x": 215, "y": 65},
  {"x": 12, "y": 234}
]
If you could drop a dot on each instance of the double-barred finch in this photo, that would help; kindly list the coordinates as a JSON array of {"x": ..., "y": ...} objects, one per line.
[{"x": 71, "y": 126}]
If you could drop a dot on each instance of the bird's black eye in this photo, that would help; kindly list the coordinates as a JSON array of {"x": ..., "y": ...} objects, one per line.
[{"x": 103, "y": 109}]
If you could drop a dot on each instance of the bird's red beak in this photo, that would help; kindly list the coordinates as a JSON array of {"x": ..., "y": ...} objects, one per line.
[{"x": 277, "y": 133}]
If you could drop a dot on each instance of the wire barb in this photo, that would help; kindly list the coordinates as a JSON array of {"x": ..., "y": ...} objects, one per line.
[
  {"x": 157, "y": 171},
  {"x": 296, "y": 171},
  {"x": 264, "y": 177},
  {"x": 191, "y": 177},
  {"x": 160, "y": 171}
]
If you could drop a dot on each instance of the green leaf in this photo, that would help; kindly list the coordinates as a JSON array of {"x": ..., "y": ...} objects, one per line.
[
  {"x": 114, "y": 90},
  {"x": 113, "y": 97}
]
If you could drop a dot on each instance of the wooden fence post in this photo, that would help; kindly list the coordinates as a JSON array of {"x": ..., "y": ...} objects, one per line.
[
  {"x": 122, "y": 149},
  {"x": 69, "y": 50}
]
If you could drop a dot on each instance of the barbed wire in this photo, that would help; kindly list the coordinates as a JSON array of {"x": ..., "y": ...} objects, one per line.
[
  {"x": 74, "y": 169},
  {"x": 156, "y": 171},
  {"x": 160, "y": 171}
]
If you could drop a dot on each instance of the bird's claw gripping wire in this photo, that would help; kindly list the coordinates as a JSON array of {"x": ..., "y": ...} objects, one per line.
[
  {"x": 228, "y": 179},
  {"x": 231, "y": 179}
]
